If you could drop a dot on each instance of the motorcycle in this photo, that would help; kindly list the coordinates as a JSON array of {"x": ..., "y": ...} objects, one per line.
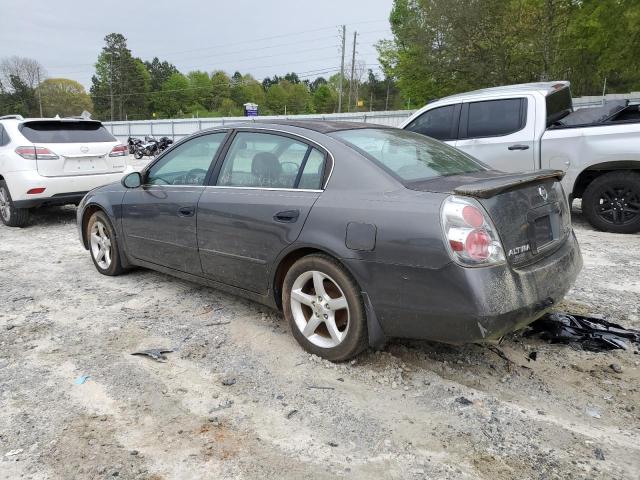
[
  {"x": 132, "y": 142},
  {"x": 147, "y": 148},
  {"x": 164, "y": 143}
]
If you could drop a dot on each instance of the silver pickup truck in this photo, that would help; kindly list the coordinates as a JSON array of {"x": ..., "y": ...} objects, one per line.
[{"x": 534, "y": 126}]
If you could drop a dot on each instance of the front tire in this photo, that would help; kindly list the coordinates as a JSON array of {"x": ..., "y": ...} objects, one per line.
[
  {"x": 324, "y": 308},
  {"x": 612, "y": 202},
  {"x": 9, "y": 214},
  {"x": 103, "y": 245},
  {"x": 137, "y": 154}
]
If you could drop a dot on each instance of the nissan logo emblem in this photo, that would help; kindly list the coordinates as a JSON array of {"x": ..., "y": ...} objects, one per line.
[
  {"x": 543, "y": 192},
  {"x": 84, "y": 149}
]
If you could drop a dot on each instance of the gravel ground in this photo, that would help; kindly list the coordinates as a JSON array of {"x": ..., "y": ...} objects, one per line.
[{"x": 239, "y": 399}]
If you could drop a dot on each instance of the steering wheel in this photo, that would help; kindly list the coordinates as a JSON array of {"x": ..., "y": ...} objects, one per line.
[
  {"x": 294, "y": 169},
  {"x": 193, "y": 174},
  {"x": 153, "y": 180}
]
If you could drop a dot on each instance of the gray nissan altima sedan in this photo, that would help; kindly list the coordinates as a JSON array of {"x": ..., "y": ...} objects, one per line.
[{"x": 359, "y": 233}]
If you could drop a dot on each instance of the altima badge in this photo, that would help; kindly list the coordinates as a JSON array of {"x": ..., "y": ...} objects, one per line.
[
  {"x": 520, "y": 249},
  {"x": 84, "y": 149}
]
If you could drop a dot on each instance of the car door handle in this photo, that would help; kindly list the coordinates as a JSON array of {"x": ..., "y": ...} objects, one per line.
[
  {"x": 287, "y": 216},
  {"x": 186, "y": 211},
  {"x": 518, "y": 147}
]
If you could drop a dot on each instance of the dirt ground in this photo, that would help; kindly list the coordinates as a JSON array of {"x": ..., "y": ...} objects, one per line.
[{"x": 239, "y": 399}]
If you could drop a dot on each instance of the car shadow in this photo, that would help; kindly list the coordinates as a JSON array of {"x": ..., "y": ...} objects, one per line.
[{"x": 47, "y": 216}]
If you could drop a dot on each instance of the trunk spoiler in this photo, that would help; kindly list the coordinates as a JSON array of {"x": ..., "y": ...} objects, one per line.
[{"x": 493, "y": 186}]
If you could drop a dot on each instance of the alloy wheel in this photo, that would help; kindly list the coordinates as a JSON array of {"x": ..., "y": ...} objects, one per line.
[
  {"x": 619, "y": 205},
  {"x": 101, "y": 245},
  {"x": 5, "y": 206},
  {"x": 320, "y": 309}
]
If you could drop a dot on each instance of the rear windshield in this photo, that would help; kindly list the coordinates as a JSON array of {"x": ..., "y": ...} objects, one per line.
[
  {"x": 559, "y": 104},
  {"x": 409, "y": 156},
  {"x": 66, "y": 132}
]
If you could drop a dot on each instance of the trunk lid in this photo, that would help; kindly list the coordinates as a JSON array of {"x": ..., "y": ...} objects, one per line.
[
  {"x": 82, "y": 147},
  {"x": 529, "y": 210}
]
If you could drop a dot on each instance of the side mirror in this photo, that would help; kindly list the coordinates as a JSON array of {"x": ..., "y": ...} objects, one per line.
[{"x": 132, "y": 180}]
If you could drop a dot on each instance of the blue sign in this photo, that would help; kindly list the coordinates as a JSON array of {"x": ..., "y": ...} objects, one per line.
[{"x": 250, "y": 110}]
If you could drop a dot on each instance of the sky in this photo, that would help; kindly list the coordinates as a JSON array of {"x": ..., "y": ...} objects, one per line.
[{"x": 263, "y": 38}]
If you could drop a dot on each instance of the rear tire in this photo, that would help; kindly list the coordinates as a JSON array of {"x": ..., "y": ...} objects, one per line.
[
  {"x": 103, "y": 245},
  {"x": 9, "y": 214},
  {"x": 612, "y": 202},
  {"x": 323, "y": 305}
]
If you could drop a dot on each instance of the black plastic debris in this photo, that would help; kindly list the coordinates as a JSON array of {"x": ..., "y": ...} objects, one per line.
[
  {"x": 592, "y": 334},
  {"x": 463, "y": 401},
  {"x": 158, "y": 354}
]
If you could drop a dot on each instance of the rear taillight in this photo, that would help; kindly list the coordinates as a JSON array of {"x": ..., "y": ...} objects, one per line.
[
  {"x": 471, "y": 238},
  {"x": 119, "y": 151},
  {"x": 36, "y": 153}
]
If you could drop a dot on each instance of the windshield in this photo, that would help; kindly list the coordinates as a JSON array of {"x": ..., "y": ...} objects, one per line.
[
  {"x": 65, "y": 132},
  {"x": 409, "y": 156}
]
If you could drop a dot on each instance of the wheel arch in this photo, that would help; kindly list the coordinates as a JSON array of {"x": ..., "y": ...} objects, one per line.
[
  {"x": 592, "y": 172},
  {"x": 292, "y": 255},
  {"x": 86, "y": 215}
]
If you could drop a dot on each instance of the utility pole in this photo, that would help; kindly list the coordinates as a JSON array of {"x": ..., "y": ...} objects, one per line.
[
  {"x": 353, "y": 67},
  {"x": 111, "y": 81},
  {"x": 386, "y": 102},
  {"x": 344, "y": 34},
  {"x": 39, "y": 94}
]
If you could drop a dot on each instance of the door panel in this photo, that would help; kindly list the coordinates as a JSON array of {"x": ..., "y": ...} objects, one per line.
[
  {"x": 265, "y": 189},
  {"x": 159, "y": 218},
  {"x": 239, "y": 233},
  {"x": 500, "y": 133},
  {"x": 158, "y": 227}
]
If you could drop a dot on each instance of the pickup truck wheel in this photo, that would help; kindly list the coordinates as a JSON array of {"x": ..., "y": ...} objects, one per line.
[
  {"x": 9, "y": 214},
  {"x": 612, "y": 202}
]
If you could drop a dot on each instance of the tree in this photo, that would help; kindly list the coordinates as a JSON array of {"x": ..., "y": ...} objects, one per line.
[
  {"x": 159, "y": 72},
  {"x": 121, "y": 77},
  {"x": 173, "y": 98},
  {"x": 246, "y": 89},
  {"x": 220, "y": 89},
  {"x": 325, "y": 99},
  {"x": 201, "y": 92},
  {"x": 18, "y": 98},
  {"x": 441, "y": 47},
  {"x": 19, "y": 81},
  {"x": 64, "y": 97}
]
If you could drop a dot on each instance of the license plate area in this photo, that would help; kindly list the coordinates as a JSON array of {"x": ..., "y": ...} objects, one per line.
[
  {"x": 542, "y": 231},
  {"x": 545, "y": 227}
]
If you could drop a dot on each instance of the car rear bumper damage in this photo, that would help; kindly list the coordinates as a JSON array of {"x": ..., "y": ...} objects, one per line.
[{"x": 461, "y": 305}]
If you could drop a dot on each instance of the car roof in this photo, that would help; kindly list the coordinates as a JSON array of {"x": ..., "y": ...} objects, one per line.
[
  {"x": 544, "y": 88},
  {"x": 320, "y": 126}
]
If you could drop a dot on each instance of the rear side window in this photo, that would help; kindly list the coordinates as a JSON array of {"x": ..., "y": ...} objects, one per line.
[
  {"x": 265, "y": 160},
  {"x": 493, "y": 118},
  {"x": 439, "y": 123},
  {"x": 4, "y": 137},
  {"x": 66, "y": 132},
  {"x": 408, "y": 156}
]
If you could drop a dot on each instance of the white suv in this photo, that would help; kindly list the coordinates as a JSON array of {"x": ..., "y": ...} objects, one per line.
[{"x": 53, "y": 161}]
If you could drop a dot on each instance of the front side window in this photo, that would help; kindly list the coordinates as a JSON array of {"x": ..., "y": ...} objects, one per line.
[
  {"x": 409, "y": 156},
  {"x": 266, "y": 160},
  {"x": 496, "y": 117},
  {"x": 187, "y": 163},
  {"x": 437, "y": 123}
]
